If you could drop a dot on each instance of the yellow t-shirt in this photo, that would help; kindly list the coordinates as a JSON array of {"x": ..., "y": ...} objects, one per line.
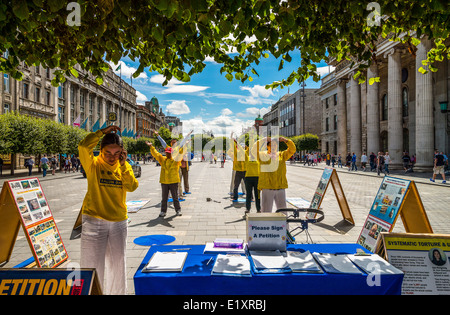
[
  {"x": 107, "y": 184},
  {"x": 169, "y": 168}
]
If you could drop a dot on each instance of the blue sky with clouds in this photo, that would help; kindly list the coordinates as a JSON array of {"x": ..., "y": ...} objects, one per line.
[{"x": 209, "y": 101}]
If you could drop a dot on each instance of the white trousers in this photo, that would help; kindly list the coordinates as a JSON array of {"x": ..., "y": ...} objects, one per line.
[
  {"x": 268, "y": 196},
  {"x": 103, "y": 247}
]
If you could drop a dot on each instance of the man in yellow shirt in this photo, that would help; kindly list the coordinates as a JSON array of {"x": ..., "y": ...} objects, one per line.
[
  {"x": 272, "y": 177},
  {"x": 169, "y": 178},
  {"x": 237, "y": 153},
  {"x": 104, "y": 210},
  {"x": 251, "y": 180}
]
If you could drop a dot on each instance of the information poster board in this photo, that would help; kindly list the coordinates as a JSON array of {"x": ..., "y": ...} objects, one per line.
[
  {"x": 424, "y": 258},
  {"x": 395, "y": 196},
  {"x": 24, "y": 203},
  {"x": 330, "y": 175}
]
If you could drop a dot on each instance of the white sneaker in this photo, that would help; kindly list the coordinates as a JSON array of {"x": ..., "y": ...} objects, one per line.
[
  {"x": 162, "y": 214},
  {"x": 179, "y": 213}
]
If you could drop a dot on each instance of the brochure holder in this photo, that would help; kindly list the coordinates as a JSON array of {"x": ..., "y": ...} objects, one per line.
[
  {"x": 396, "y": 197},
  {"x": 23, "y": 203}
]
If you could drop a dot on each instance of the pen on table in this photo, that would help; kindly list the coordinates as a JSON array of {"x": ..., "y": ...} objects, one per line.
[
  {"x": 209, "y": 261},
  {"x": 180, "y": 248}
]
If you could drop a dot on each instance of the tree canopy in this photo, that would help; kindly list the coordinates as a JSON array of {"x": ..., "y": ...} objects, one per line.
[{"x": 175, "y": 37}]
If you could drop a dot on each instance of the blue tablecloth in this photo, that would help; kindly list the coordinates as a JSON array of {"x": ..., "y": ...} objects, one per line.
[{"x": 196, "y": 278}]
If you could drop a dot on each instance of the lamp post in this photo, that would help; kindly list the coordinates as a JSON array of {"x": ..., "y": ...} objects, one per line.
[{"x": 303, "y": 95}]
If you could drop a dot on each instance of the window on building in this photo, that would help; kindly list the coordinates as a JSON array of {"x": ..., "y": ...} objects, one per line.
[
  {"x": 37, "y": 94},
  {"x": 26, "y": 90},
  {"x": 6, "y": 108},
  {"x": 335, "y": 99},
  {"x": 327, "y": 124},
  {"x": 37, "y": 69},
  {"x": 47, "y": 73},
  {"x": 405, "y": 102},
  {"x": 6, "y": 86},
  {"x": 47, "y": 98},
  {"x": 384, "y": 107},
  {"x": 335, "y": 122}
]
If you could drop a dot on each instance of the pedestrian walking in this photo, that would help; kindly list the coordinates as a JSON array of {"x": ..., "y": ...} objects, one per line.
[
  {"x": 66, "y": 165},
  {"x": 363, "y": 161},
  {"x": 272, "y": 173},
  {"x": 380, "y": 163},
  {"x": 44, "y": 165},
  {"x": 406, "y": 161},
  {"x": 387, "y": 161},
  {"x": 372, "y": 161},
  {"x": 339, "y": 160},
  {"x": 223, "y": 158},
  {"x": 73, "y": 161},
  {"x": 169, "y": 178},
  {"x": 54, "y": 164},
  {"x": 29, "y": 164},
  {"x": 348, "y": 160},
  {"x": 1, "y": 166},
  {"x": 354, "y": 167},
  {"x": 438, "y": 166},
  {"x": 104, "y": 210}
]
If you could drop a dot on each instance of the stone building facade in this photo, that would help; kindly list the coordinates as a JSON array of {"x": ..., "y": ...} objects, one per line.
[{"x": 399, "y": 113}]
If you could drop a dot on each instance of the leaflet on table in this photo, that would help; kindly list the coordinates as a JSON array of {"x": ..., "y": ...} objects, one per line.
[
  {"x": 211, "y": 249},
  {"x": 374, "y": 264},
  {"x": 228, "y": 243},
  {"x": 302, "y": 262},
  {"x": 384, "y": 211},
  {"x": 333, "y": 263},
  {"x": 166, "y": 262},
  {"x": 231, "y": 265},
  {"x": 269, "y": 262}
]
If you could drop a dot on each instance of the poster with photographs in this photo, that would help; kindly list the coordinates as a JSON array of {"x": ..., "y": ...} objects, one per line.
[
  {"x": 30, "y": 200},
  {"x": 384, "y": 211},
  {"x": 320, "y": 191},
  {"x": 38, "y": 222},
  {"x": 424, "y": 258}
]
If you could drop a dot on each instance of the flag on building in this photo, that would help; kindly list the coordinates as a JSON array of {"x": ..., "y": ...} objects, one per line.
[
  {"x": 77, "y": 121},
  {"x": 104, "y": 125},
  {"x": 83, "y": 125},
  {"x": 96, "y": 126}
]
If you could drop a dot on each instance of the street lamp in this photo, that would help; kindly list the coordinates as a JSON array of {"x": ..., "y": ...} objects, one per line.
[{"x": 303, "y": 95}]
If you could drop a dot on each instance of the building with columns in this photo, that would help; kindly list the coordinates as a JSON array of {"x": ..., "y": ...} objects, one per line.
[
  {"x": 399, "y": 113},
  {"x": 76, "y": 97}
]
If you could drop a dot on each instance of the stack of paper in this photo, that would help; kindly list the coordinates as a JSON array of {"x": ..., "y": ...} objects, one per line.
[
  {"x": 231, "y": 265},
  {"x": 302, "y": 262},
  {"x": 228, "y": 243},
  {"x": 269, "y": 262},
  {"x": 374, "y": 264},
  {"x": 166, "y": 262},
  {"x": 333, "y": 263},
  {"x": 211, "y": 249}
]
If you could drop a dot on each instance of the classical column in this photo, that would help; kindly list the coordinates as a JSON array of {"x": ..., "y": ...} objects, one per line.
[
  {"x": 373, "y": 111},
  {"x": 342, "y": 117},
  {"x": 395, "y": 119},
  {"x": 424, "y": 110},
  {"x": 355, "y": 117}
]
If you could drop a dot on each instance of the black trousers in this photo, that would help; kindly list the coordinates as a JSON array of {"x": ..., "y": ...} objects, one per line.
[
  {"x": 173, "y": 188},
  {"x": 251, "y": 187},
  {"x": 238, "y": 177}
]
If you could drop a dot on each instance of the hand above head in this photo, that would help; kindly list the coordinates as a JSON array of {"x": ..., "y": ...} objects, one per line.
[
  {"x": 110, "y": 129},
  {"x": 123, "y": 157},
  {"x": 149, "y": 143}
]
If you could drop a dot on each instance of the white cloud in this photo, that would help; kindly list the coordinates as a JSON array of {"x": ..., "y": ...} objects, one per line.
[
  {"x": 325, "y": 70},
  {"x": 178, "y": 108},
  {"x": 226, "y": 112},
  {"x": 253, "y": 112},
  {"x": 141, "y": 98},
  {"x": 175, "y": 86},
  {"x": 126, "y": 71},
  {"x": 257, "y": 91}
]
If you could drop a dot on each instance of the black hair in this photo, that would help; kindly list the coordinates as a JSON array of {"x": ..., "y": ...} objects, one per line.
[{"x": 111, "y": 138}]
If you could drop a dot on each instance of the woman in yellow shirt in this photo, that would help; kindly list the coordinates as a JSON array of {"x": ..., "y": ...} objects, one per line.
[
  {"x": 251, "y": 179},
  {"x": 104, "y": 210},
  {"x": 169, "y": 178}
]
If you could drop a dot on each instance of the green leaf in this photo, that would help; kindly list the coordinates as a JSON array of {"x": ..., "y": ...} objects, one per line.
[{"x": 20, "y": 9}]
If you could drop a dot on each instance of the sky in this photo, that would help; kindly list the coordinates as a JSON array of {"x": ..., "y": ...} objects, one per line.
[{"x": 209, "y": 101}]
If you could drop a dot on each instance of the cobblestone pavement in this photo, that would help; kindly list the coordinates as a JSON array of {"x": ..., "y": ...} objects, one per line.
[{"x": 203, "y": 220}]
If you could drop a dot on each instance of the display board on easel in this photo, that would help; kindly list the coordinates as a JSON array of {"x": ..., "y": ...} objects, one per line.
[
  {"x": 395, "y": 197},
  {"x": 424, "y": 258},
  {"x": 330, "y": 175},
  {"x": 23, "y": 203}
]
